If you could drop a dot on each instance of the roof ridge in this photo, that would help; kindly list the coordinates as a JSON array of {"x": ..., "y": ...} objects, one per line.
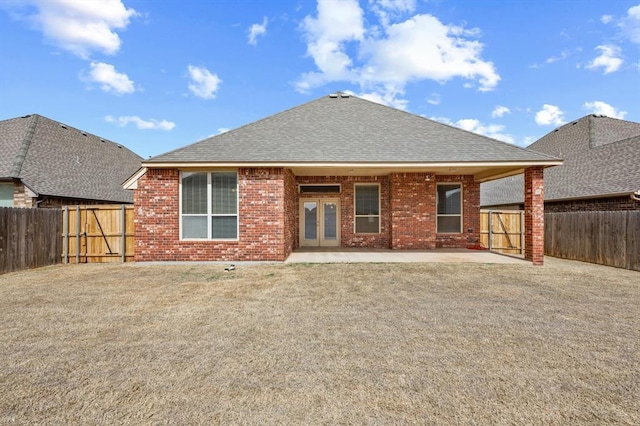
[{"x": 24, "y": 148}]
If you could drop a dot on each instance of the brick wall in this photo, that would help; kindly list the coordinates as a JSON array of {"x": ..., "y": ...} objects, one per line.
[
  {"x": 20, "y": 197},
  {"x": 348, "y": 237},
  {"x": 269, "y": 221},
  {"x": 413, "y": 208},
  {"x": 261, "y": 213},
  {"x": 596, "y": 204},
  {"x": 534, "y": 215},
  {"x": 413, "y": 212}
]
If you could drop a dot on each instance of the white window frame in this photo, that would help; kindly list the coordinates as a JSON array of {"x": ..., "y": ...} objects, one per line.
[
  {"x": 450, "y": 215},
  {"x": 209, "y": 215},
  {"x": 379, "y": 215},
  {"x": 339, "y": 185}
]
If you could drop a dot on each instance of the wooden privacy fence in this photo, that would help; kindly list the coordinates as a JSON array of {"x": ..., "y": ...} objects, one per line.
[
  {"x": 606, "y": 238},
  {"x": 502, "y": 230},
  {"x": 97, "y": 234},
  {"x": 29, "y": 238}
]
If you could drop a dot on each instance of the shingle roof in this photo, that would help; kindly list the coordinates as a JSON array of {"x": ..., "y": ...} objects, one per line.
[
  {"x": 58, "y": 160},
  {"x": 346, "y": 129},
  {"x": 601, "y": 157}
]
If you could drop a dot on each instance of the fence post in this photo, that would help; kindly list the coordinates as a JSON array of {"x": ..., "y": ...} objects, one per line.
[
  {"x": 490, "y": 219},
  {"x": 124, "y": 237},
  {"x": 77, "y": 234},
  {"x": 521, "y": 231},
  {"x": 65, "y": 229}
]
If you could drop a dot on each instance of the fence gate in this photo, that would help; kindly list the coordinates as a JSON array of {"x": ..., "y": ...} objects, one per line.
[
  {"x": 502, "y": 230},
  {"x": 97, "y": 234}
]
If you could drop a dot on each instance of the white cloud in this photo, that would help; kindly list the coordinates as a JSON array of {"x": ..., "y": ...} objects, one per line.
[
  {"x": 550, "y": 115},
  {"x": 386, "y": 10},
  {"x": 495, "y": 131},
  {"x": 110, "y": 80},
  {"x": 434, "y": 99},
  {"x": 605, "y": 19},
  {"x": 389, "y": 98},
  {"x": 610, "y": 59},
  {"x": 337, "y": 22},
  {"x": 562, "y": 56},
  {"x": 603, "y": 108},
  {"x": 257, "y": 30},
  {"x": 500, "y": 111},
  {"x": 141, "y": 124},
  {"x": 203, "y": 83},
  {"x": 80, "y": 27},
  {"x": 630, "y": 24},
  {"x": 383, "y": 61}
]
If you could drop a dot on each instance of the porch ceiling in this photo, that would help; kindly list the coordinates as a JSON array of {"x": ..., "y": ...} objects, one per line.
[{"x": 481, "y": 173}]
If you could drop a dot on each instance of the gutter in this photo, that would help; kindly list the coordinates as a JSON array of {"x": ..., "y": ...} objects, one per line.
[{"x": 635, "y": 195}]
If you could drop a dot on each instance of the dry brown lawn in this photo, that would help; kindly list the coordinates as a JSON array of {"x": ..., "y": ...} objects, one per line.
[{"x": 321, "y": 344}]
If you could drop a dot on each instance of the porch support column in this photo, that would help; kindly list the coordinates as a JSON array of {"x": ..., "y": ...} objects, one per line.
[{"x": 534, "y": 214}]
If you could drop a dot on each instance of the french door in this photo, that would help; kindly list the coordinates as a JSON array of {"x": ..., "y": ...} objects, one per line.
[{"x": 320, "y": 222}]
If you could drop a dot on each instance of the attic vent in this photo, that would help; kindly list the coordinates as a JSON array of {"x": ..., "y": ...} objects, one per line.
[
  {"x": 84, "y": 133},
  {"x": 119, "y": 146},
  {"x": 344, "y": 95},
  {"x": 63, "y": 126},
  {"x": 102, "y": 140},
  {"x": 574, "y": 123},
  {"x": 333, "y": 95}
]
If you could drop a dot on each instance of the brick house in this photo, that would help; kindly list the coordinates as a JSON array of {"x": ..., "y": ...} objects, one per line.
[
  {"x": 45, "y": 163},
  {"x": 337, "y": 171},
  {"x": 600, "y": 170}
]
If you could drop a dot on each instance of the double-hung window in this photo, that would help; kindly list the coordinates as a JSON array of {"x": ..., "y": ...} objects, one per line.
[
  {"x": 209, "y": 205},
  {"x": 449, "y": 208},
  {"x": 367, "y": 206}
]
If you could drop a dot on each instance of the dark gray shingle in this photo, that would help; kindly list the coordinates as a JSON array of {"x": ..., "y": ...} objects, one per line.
[
  {"x": 347, "y": 129},
  {"x": 601, "y": 157},
  {"x": 58, "y": 160}
]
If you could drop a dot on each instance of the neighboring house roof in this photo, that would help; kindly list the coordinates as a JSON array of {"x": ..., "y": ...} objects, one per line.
[
  {"x": 601, "y": 158},
  {"x": 346, "y": 129},
  {"x": 53, "y": 159}
]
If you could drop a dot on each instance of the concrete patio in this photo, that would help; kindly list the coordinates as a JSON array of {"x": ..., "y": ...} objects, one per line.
[{"x": 364, "y": 255}]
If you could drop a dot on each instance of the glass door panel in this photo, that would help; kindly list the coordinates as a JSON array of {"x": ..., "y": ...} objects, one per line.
[
  {"x": 330, "y": 221},
  {"x": 310, "y": 220}
]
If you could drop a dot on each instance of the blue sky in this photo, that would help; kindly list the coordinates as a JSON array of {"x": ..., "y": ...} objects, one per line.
[{"x": 157, "y": 75}]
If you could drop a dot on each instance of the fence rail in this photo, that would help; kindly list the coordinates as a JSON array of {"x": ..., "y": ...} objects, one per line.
[
  {"x": 97, "y": 234},
  {"x": 605, "y": 237},
  {"x": 29, "y": 238}
]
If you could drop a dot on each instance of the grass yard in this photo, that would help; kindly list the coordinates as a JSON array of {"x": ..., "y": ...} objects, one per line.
[{"x": 321, "y": 344}]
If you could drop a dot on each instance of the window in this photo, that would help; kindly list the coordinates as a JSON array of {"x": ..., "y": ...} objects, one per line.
[
  {"x": 6, "y": 194},
  {"x": 318, "y": 189},
  {"x": 209, "y": 204},
  {"x": 367, "y": 209},
  {"x": 449, "y": 208}
]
